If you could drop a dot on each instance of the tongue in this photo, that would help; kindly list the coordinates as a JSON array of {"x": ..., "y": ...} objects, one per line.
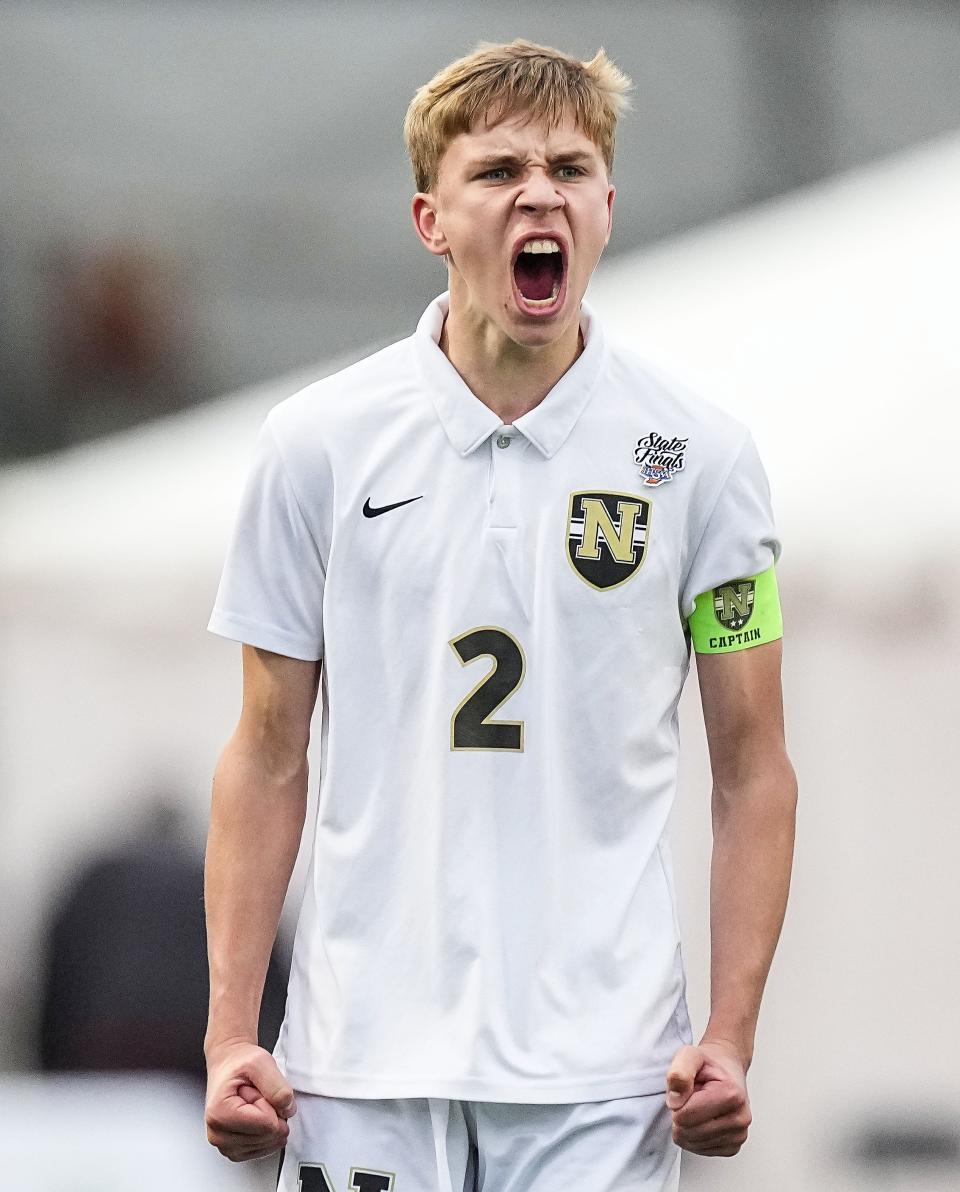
[{"x": 534, "y": 273}]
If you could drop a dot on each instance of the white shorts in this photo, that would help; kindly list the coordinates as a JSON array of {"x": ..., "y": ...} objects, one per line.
[{"x": 412, "y": 1144}]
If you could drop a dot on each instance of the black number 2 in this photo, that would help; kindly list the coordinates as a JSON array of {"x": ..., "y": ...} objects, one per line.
[{"x": 470, "y": 725}]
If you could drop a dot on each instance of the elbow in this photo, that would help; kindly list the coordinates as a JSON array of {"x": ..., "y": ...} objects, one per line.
[
  {"x": 768, "y": 789},
  {"x": 275, "y": 761}
]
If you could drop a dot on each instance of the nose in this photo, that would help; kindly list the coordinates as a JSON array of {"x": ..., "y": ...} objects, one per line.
[{"x": 539, "y": 193}]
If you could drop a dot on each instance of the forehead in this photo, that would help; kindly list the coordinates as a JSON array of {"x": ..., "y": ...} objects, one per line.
[{"x": 518, "y": 134}]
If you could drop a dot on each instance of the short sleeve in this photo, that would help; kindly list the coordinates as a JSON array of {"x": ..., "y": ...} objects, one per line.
[
  {"x": 271, "y": 589},
  {"x": 739, "y": 538}
]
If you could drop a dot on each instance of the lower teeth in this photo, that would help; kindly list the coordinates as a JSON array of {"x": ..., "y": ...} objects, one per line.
[{"x": 545, "y": 301}]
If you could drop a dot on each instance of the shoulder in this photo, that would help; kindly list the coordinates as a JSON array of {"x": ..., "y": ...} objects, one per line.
[
  {"x": 656, "y": 393},
  {"x": 347, "y": 400}
]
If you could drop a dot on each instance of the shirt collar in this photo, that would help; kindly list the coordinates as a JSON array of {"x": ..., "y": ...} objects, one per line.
[{"x": 468, "y": 422}]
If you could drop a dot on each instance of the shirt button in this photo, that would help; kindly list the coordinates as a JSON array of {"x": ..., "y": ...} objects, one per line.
[{"x": 504, "y": 440}]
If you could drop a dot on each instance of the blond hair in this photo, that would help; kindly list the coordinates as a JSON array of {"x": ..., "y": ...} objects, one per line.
[{"x": 496, "y": 81}]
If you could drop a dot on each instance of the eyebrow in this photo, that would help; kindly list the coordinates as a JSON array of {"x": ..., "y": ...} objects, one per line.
[{"x": 511, "y": 159}]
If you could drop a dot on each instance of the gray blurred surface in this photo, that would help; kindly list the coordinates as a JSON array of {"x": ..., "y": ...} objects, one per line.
[
  {"x": 247, "y": 166},
  {"x": 112, "y": 1134}
]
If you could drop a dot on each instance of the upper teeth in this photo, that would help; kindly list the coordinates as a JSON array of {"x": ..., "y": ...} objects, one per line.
[{"x": 541, "y": 246}]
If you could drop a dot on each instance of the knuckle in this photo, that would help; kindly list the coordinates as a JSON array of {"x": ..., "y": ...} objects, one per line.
[{"x": 724, "y": 1149}]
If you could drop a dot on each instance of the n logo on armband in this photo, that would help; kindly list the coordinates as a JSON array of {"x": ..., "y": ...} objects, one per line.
[
  {"x": 733, "y": 603},
  {"x": 607, "y": 536}
]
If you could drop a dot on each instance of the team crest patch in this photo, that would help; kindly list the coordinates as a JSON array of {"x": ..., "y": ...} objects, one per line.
[
  {"x": 733, "y": 603},
  {"x": 607, "y": 536},
  {"x": 659, "y": 458}
]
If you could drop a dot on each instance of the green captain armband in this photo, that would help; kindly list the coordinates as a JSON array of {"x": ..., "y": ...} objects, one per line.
[{"x": 737, "y": 615}]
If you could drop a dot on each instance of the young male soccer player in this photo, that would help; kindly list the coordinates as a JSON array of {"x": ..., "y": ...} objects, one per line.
[{"x": 492, "y": 543}]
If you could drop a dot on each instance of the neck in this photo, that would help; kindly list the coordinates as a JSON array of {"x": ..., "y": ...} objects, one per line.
[{"x": 509, "y": 378}]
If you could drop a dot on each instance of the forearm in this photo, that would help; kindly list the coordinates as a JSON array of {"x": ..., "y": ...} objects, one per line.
[
  {"x": 256, "y": 821},
  {"x": 753, "y": 836}
]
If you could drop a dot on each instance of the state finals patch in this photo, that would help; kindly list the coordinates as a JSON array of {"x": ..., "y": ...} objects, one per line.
[
  {"x": 659, "y": 458},
  {"x": 607, "y": 536},
  {"x": 737, "y": 615}
]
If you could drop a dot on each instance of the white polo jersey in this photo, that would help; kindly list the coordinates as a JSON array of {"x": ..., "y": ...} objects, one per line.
[{"x": 501, "y": 614}]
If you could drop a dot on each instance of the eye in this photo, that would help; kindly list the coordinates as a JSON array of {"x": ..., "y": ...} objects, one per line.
[{"x": 577, "y": 171}]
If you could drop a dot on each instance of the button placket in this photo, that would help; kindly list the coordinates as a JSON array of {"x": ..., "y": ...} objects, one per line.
[
  {"x": 506, "y": 512},
  {"x": 506, "y": 465}
]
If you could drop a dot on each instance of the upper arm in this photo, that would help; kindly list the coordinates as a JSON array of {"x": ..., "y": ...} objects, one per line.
[
  {"x": 279, "y": 695},
  {"x": 742, "y": 701}
]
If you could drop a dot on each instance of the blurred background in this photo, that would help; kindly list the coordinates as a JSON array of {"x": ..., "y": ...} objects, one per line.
[{"x": 204, "y": 206}]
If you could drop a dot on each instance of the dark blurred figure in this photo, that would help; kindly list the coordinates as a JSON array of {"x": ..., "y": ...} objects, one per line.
[
  {"x": 116, "y": 340},
  {"x": 126, "y": 983}
]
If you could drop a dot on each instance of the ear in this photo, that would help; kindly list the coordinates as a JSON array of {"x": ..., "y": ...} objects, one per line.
[
  {"x": 426, "y": 222},
  {"x": 611, "y": 192}
]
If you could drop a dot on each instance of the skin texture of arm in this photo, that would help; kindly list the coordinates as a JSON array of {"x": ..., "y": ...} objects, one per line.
[
  {"x": 754, "y": 815},
  {"x": 257, "y": 814}
]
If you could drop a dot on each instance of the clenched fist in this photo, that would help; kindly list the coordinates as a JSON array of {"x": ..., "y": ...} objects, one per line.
[
  {"x": 707, "y": 1092},
  {"x": 248, "y": 1101}
]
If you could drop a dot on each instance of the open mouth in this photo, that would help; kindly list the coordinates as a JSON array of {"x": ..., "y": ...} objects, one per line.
[{"x": 538, "y": 277}]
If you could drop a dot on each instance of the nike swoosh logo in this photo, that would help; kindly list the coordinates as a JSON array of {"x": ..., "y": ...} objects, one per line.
[{"x": 370, "y": 511}]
